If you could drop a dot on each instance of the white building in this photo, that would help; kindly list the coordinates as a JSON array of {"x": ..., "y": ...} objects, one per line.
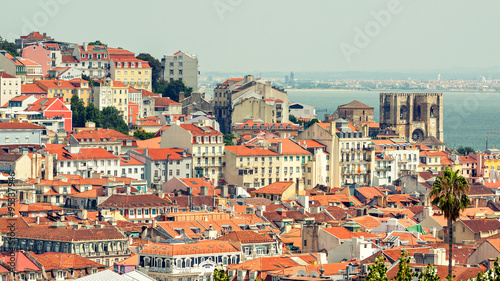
[
  {"x": 10, "y": 86},
  {"x": 302, "y": 110},
  {"x": 181, "y": 66},
  {"x": 204, "y": 144}
]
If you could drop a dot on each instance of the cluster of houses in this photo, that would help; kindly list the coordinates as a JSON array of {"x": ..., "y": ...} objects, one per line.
[{"x": 279, "y": 201}]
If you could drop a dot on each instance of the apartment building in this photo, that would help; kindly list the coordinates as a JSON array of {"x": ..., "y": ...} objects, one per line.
[
  {"x": 181, "y": 66},
  {"x": 201, "y": 141},
  {"x": 111, "y": 93},
  {"x": 10, "y": 86},
  {"x": 129, "y": 70}
]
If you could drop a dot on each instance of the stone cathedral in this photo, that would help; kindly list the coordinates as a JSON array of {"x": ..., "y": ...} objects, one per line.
[{"x": 414, "y": 116}]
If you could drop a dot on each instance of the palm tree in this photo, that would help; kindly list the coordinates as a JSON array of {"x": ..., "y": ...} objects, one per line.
[{"x": 449, "y": 193}]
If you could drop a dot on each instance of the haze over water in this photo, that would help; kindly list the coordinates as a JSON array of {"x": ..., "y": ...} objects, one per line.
[{"x": 467, "y": 115}]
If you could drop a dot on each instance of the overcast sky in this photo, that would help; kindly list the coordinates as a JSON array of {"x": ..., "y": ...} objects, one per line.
[{"x": 278, "y": 35}]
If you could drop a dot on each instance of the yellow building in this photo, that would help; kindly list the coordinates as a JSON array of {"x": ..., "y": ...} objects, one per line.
[
  {"x": 438, "y": 161},
  {"x": 129, "y": 70}
]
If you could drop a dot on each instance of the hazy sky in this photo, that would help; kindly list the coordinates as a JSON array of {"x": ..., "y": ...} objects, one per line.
[{"x": 278, "y": 35}]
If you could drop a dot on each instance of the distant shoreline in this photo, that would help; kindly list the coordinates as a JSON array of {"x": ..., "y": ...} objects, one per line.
[{"x": 393, "y": 90}]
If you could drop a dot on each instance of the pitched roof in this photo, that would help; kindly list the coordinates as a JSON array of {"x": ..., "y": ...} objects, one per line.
[
  {"x": 19, "y": 126},
  {"x": 242, "y": 150},
  {"x": 202, "y": 247},
  {"x": 69, "y": 234},
  {"x": 6, "y": 75},
  {"x": 275, "y": 188},
  {"x": 246, "y": 236},
  {"x": 343, "y": 233},
  {"x": 355, "y": 105},
  {"x": 31, "y": 88},
  {"x": 85, "y": 153},
  {"x": 289, "y": 147},
  {"x": 164, "y": 101},
  {"x": 482, "y": 225},
  {"x": 162, "y": 153},
  {"x": 52, "y": 260},
  {"x": 197, "y": 131},
  {"x": 128, "y": 201},
  {"x": 479, "y": 189}
]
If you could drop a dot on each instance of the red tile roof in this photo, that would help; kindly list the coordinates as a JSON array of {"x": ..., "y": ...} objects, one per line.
[
  {"x": 245, "y": 237},
  {"x": 197, "y": 131},
  {"x": 241, "y": 150},
  {"x": 19, "y": 126},
  {"x": 275, "y": 188},
  {"x": 134, "y": 201},
  {"x": 267, "y": 126},
  {"x": 161, "y": 153},
  {"x": 202, "y": 247},
  {"x": 6, "y": 75},
  {"x": 69, "y": 59},
  {"x": 101, "y": 135},
  {"x": 65, "y": 234},
  {"x": 482, "y": 225},
  {"x": 85, "y": 153},
  {"x": 289, "y": 147},
  {"x": 343, "y": 233},
  {"x": 51, "y": 261},
  {"x": 31, "y": 88},
  {"x": 163, "y": 101}
]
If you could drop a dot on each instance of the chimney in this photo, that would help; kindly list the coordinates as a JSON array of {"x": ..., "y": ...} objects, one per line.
[
  {"x": 82, "y": 214},
  {"x": 382, "y": 201},
  {"x": 203, "y": 190},
  {"x": 225, "y": 191},
  {"x": 300, "y": 186},
  {"x": 49, "y": 167},
  {"x": 84, "y": 46},
  {"x": 181, "y": 96},
  {"x": 146, "y": 151},
  {"x": 280, "y": 147}
]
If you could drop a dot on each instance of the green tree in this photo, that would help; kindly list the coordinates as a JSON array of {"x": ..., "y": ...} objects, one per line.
[
  {"x": 377, "y": 271},
  {"x": 449, "y": 193},
  {"x": 492, "y": 274},
  {"x": 97, "y": 42},
  {"x": 156, "y": 68},
  {"x": 405, "y": 273},
  {"x": 113, "y": 119},
  {"x": 428, "y": 274},
  {"x": 93, "y": 114},
  {"x": 465, "y": 150},
  {"x": 10, "y": 47},
  {"x": 220, "y": 274},
  {"x": 172, "y": 89},
  {"x": 292, "y": 119},
  {"x": 78, "y": 112},
  {"x": 228, "y": 139},
  {"x": 141, "y": 134}
]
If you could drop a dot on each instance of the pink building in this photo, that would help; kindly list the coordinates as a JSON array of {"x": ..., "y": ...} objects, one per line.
[
  {"x": 47, "y": 55},
  {"x": 53, "y": 108}
]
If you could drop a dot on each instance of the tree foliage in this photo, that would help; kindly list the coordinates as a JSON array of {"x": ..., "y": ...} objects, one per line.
[
  {"x": 220, "y": 274},
  {"x": 465, "y": 150},
  {"x": 10, "y": 47},
  {"x": 492, "y": 274},
  {"x": 97, "y": 42},
  {"x": 141, "y": 134},
  {"x": 156, "y": 68},
  {"x": 449, "y": 194},
  {"x": 228, "y": 139},
  {"x": 172, "y": 89},
  {"x": 303, "y": 123},
  {"x": 109, "y": 117},
  {"x": 377, "y": 271}
]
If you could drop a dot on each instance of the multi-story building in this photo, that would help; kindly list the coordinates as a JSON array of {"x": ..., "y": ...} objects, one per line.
[
  {"x": 73, "y": 160},
  {"x": 351, "y": 157},
  {"x": 405, "y": 155},
  {"x": 237, "y": 100},
  {"x": 111, "y": 93},
  {"x": 109, "y": 139},
  {"x": 94, "y": 60},
  {"x": 250, "y": 166},
  {"x": 65, "y": 90},
  {"x": 51, "y": 109},
  {"x": 283, "y": 130},
  {"x": 22, "y": 68},
  {"x": 129, "y": 70},
  {"x": 194, "y": 261},
  {"x": 48, "y": 55},
  {"x": 162, "y": 164},
  {"x": 355, "y": 112},
  {"x": 164, "y": 105},
  {"x": 10, "y": 86},
  {"x": 20, "y": 133},
  {"x": 137, "y": 208},
  {"x": 97, "y": 243},
  {"x": 437, "y": 161},
  {"x": 302, "y": 110},
  {"x": 204, "y": 144},
  {"x": 181, "y": 66},
  {"x": 32, "y": 38}
]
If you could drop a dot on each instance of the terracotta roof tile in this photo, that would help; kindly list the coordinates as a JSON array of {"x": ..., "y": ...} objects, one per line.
[{"x": 140, "y": 200}]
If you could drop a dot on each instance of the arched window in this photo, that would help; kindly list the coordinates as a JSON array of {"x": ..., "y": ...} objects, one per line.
[
  {"x": 403, "y": 112},
  {"x": 434, "y": 111}
]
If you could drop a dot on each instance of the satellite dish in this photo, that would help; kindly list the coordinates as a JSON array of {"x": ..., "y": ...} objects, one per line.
[
  {"x": 302, "y": 273},
  {"x": 314, "y": 274}
]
